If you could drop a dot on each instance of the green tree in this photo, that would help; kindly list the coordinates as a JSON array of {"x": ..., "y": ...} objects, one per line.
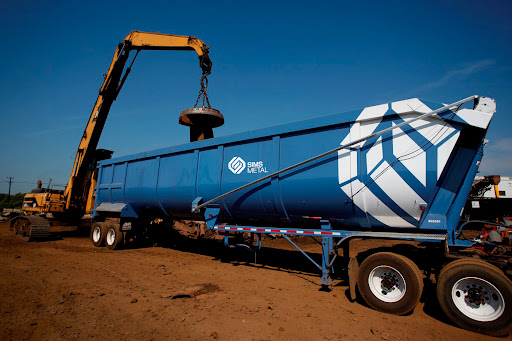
[{"x": 14, "y": 201}]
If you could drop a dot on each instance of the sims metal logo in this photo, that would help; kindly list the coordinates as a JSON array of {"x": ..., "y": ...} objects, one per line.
[{"x": 236, "y": 165}]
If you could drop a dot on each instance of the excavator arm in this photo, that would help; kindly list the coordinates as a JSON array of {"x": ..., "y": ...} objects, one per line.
[{"x": 79, "y": 185}]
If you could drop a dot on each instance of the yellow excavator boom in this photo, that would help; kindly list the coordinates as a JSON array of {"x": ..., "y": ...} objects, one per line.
[
  {"x": 78, "y": 188},
  {"x": 77, "y": 199}
]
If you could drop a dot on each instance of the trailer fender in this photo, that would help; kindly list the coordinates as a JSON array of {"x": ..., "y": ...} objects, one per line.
[
  {"x": 120, "y": 209},
  {"x": 353, "y": 270}
]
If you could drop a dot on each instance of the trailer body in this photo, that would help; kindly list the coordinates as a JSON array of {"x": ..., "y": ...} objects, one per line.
[{"x": 415, "y": 177}]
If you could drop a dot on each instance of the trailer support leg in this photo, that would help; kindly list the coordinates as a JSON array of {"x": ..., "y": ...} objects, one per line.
[
  {"x": 305, "y": 254},
  {"x": 327, "y": 247}
]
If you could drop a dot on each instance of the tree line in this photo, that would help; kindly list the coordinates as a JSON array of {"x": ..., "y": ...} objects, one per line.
[{"x": 14, "y": 201}]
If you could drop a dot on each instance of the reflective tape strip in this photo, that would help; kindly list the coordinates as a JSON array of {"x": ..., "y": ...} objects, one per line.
[{"x": 271, "y": 230}]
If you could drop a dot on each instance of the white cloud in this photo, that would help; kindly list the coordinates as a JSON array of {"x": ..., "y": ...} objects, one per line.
[
  {"x": 463, "y": 72},
  {"x": 460, "y": 73}
]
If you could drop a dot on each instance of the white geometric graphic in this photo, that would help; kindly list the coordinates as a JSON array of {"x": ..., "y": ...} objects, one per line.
[
  {"x": 236, "y": 165},
  {"x": 393, "y": 191},
  {"x": 374, "y": 156},
  {"x": 410, "y": 155}
]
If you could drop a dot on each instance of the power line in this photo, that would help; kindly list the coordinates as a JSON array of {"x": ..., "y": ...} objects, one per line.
[
  {"x": 24, "y": 182},
  {"x": 17, "y": 182}
]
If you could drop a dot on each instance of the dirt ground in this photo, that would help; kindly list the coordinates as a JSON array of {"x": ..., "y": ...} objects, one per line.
[{"x": 66, "y": 288}]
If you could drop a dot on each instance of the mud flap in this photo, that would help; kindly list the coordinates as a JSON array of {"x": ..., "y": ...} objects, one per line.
[{"x": 353, "y": 269}]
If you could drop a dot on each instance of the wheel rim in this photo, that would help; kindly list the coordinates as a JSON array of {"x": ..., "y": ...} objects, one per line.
[
  {"x": 387, "y": 283},
  {"x": 478, "y": 299},
  {"x": 111, "y": 236},
  {"x": 96, "y": 234}
]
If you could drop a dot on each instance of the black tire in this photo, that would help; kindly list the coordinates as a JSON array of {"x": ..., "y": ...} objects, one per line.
[
  {"x": 477, "y": 296},
  {"x": 390, "y": 283},
  {"x": 98, "y": 233},
  {"x": 114, "y": 240}
]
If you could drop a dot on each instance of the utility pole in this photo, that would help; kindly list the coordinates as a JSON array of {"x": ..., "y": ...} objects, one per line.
[{"x": 10, "y": 181}]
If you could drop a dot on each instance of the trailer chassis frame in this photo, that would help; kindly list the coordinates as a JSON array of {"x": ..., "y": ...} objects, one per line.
[{"x": 326, "y": 232}]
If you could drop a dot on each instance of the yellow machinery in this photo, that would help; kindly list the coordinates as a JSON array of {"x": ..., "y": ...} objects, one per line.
[{"x": 78, "y": 197}]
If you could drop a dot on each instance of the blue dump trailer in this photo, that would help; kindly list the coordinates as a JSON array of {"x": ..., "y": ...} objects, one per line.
[{"x": 399, "y": 171}]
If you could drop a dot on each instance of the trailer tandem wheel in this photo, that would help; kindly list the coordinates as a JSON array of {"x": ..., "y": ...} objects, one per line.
[
  {"x": 114, "y": 239},
  {"x": 390, "y": 283},
  {"x": 98, "y": 233},
  {"x": 477, "y": 296}
]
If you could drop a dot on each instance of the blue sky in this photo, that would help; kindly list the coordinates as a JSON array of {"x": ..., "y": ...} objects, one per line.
[{"x": 274, "y": 62}]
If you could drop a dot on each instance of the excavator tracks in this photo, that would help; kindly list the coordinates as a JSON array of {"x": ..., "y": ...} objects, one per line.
[{"x": 31, "y": 228}]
